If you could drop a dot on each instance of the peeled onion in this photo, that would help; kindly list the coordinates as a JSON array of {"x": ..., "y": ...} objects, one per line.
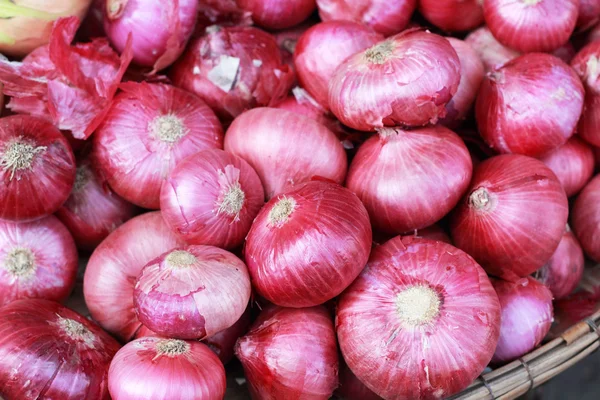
[
  {"x": 585, "y": 219},
  {"x": 444, "y": 14},
  {"x": 278, "y": 14}
]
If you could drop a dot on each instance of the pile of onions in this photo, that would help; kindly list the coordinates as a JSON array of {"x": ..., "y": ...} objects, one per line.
[
  {"x": 304, "y": 248},
  {"x": 153, "y": 368},
  {"x": 589, "y": 14},
  {"x": 285, "y": 148},
  {"x": 410, "y": 179},
  {"x": 513, "y": 217},
  {"x": 147, "y": 131},
  {"x": 384, "y": 16},
  {"x": 587, "y": 65},
  {"x": 37, "y": 260},
  {"x": 49, "y": 351},
  {"x": 526, "y": 317},
  {"x": 37, "y": 168},
  {"x": 273, "y": 14},
  {"x": 453, "y": 15},
  {"x": 351, "y": 388},
  {"x": 234, "y": 69},
  {"x": 585, "y": 219},
  {"x": 290, "y": 353},
  {"x": 417, "y": 301},
  {"x": 531, "y": 26},
  {"x": 394, "y": 82},
  {"x": 114, "y": 266},
  {"x": 212, "y": 198},
  {"x": 529, "y": 106}
]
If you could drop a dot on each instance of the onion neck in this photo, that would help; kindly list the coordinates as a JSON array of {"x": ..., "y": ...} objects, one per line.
[
  {"x": 379, "y": 53},
  {"x": 480, "y": 199},
  {"x": 20, "y": 263},
  {"x": 167, "y": 128},
  {"x": 82, "y": 177},
  {"x": 418, "y": 305},
  {"x": 115, "y": 8},
  {"x": 180, "y": 259},
  {"x": 232, "y": 200},
  {"x": 171, "y": 347},
  {"x": 282, "y": 211},
  {"x": 76, "y": 331},
  {"x": 19, "y": 156}
]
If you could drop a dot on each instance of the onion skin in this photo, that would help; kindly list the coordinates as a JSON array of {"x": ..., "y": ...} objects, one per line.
[
  {"x": 589, "y": 14},
  {"x": 526, "y": 317},
  {"x": 304, "y": 248},
  {"x": 140, "y": 371},
  {"x": 443, "y": 14},
  {"x": 585, "y": 219},
  {"x": 527, "y": 85},
  {"x": 114, "y": 266},
  {"x": 275, "y": 14},
  {"x": 492, "y": 53},
  {"x": 410, "y": 179},
  {"x": 264, "y": 137},
  {"x": 513, "y": 216},
  {"x": 49, "y": 351},
  {"x": 585, "y": 64},
  {"x": 573, "y": 309},
  {"x": 351, "y": 388},
  {"x": 290, "y": 353},
  {"x": 405, "y": 356},
  {"x": 394, "y": 83}
]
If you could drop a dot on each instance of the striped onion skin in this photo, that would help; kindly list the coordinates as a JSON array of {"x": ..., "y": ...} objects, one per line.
[
  {"x": 443, "y": 14},
  {"x": 585, "y": 219}
]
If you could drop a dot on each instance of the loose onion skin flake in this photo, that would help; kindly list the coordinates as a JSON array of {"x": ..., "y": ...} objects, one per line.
[
  {"x": 585, "y": 219},
  {"x": 539, "y": 86},
  {"x": 405, "y": 80},
  {"x": 37, "y": 168},
  {"x": 443, "y": 14},
  {"x": 410, "y": 179},
  {"x": 285, "y": 148},
  {"x": 148, "y": 130},
  {"x": 48, "y": 351},
  {"x": 290, "y": 353},
  {"x": 513, "y": 216},
  {"x": 278, "y": 14},
  {"x": 401, "y": 320},
  {"x": 153, "y": 368},
  {"x": 526, "y": 317},
  {"x": 305, "y": 248}
]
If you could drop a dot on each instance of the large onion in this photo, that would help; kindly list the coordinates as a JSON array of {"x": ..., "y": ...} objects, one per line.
[
  {"x": 453, "y": 15},
  {"x": 278, "y": 14},
  {"x": 585, "y": 219}
]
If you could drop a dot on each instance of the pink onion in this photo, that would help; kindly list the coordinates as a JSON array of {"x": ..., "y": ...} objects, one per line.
[
  {"x": 513, "y": 216},
  {"x": 305, "y": 248},
  {"x": 290, "y": 353},
  {"x": 573, "y": 309},
  {"x": 417, "y": 301},
  {"x": 589, "y": 124},
  {"x": 395, "y": 82},
  {"x": 453, "y": 15},
  {"x": 351, "y": 388},
  {"x": 589, "y": 14},
  {"x": 273, "y": 14},
  {"x": 526, "y": 317},
  {"x": 529, "y": 106},
  {"x": 587, "y": 65},
  {"x": 585, "y": 219},
  {"x": 220, "y": 12},
  {"x": 285, "y": 148},
  {"x": 493, "y": 54}
]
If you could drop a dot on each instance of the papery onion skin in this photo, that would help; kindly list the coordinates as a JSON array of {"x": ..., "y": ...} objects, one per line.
[
  {"x": 402, "y": 352},
  {"x": 37, "y": 168},
  {"x": 526, "y": 317},
  {"x": 585, "y": 219},
  {"x": 153, "y": 368},
  {"x": 537, "y": 85},
  {"x": 443, "y": 14},
  {"x": 410, "y": 179},
  {"x": 322, "y": 48},
  {"x": 285, "y": 149},
  {"x": 278, "y": 14},
  {"x": 531, "y": 26},
  {"x": 49, "y": 351},
  {"x": 219, "y": 12},
  {"x": 290, "y": 353},
  {"x": 114, "y": 266},
  {"x": 492, "y": 53},
  {"x": 589, "y": 14},
  {"x": 304, "y": 248},
  {"x": 573, "y": 163},
  {"x": 394, "y": 82},
  {"x": 513, "y": 216},
  {"x": 147, "y": 131},
  {"x": 37, "y": 260}
]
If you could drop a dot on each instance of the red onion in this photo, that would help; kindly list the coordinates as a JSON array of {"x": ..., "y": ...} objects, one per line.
[
  {"x": 148, "y": 130},
  {"x": 285, "y": 148},
  {"x": 587, "y": 65},
  {"x": 305, "y": 248},
  {"x": 384, "y": 16},
  {"x": 37, "y": 168},
  {"x": 573, "y": 164},
  {"x": 322, "y": 48},
  {"x": 273, "y": 14},
  {"x": 234, "y": 69},
  {"x": 351, "y": 388},
  {"x": 531, "y": 25},
  {"x": 406, "y": 80},
  {"x": 419, "y": 300},
  {"x": 596, "y": 156},
  {"x": 529, "y": 106},
  {"x": 573, "y": 309},
  {"x": 287, "y": 40},
  {"x": 585, "y": 219},
  {"x": 48, "y": 351},
  {"x": 453, "y": 15},
  {"x": 220, "y": 12},
  {"x": 155, "y": 369},
  {"x": 290, "y": 353},
  {"x": 526, "y": 317},
  {"x": 589, "y": 14},
  {"x": 433, "y": 232},
  {"x": 513, "y": 217},
  {"x": 493, "y": 54},
  {"x": 410, "y": 179},
  {"x": 114, "y": 266},
  {"x": 589, "y": 124},
  {"x": 212, "y": 198}
]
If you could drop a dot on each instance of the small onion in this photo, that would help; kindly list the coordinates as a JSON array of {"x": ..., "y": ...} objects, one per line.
[
  {"x": 417, "y": 301},
  {"x": 493, "y": 54},
  {"x": 405, "y": 80},
  {"x": 585, "y": 219},
  {"x": 48, "y": 351},
  {"x": 589, "y": 14},
  {"x": 529, "y": 106},
  {"x": 305, "y": 247},
  {"x": 290, "y": 354},
  {"x": 153, "y": 368},
  {"x": 513, "y": 217},
  {"x": 589, "y": 124},
  {"x": 37, "y": 168},
  {"x": 278, "y": 14},
  {"x": 573, "y": 309},
  {"x": 443, "y": 14},
  {"x": 351, "y": 388},
  {"x": 526, "y": 317}
]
